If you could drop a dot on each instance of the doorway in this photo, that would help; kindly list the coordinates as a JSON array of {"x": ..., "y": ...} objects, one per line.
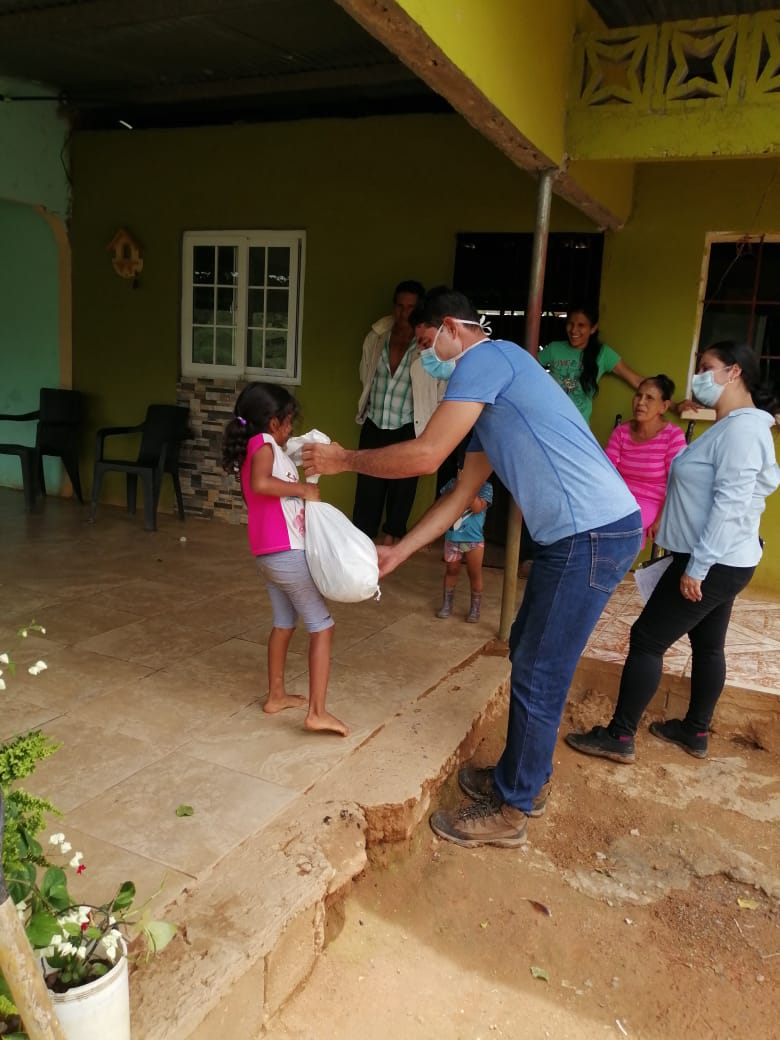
[{"x": 494, "y": 270}]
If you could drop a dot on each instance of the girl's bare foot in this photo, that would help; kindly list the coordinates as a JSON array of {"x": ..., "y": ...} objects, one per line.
[
  {"x": 325, "y": 723},
  {"x": 287, "y": 700}
]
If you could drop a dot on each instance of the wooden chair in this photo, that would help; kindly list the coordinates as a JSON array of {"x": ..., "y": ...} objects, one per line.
[{"x": 162, "y": 432}]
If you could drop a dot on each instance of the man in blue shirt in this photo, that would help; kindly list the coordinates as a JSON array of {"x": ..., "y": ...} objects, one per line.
[{"x": 584, "y": 520}]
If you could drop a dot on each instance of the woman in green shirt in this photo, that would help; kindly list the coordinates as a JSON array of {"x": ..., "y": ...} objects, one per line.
[{"x": 578, "y": 365}]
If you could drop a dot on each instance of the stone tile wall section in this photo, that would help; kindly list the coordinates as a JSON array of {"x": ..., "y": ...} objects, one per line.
[{"x": 208, "y": 491}]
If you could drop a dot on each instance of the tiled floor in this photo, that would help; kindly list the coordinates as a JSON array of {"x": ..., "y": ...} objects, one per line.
[
  {"x": 752, "y": 642},
  {"x": 156, "y": 652},
  {"x": 155, "y": 646}
]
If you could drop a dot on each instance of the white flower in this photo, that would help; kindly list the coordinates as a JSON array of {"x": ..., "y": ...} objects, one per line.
[
  {"x": 111, "y": 944},
  {"x": 57, "y": 940},
  {"x": 65, "y": 847},
  {"x": 81, "y": 953},
  {"x": 2, "y": 684},
  {"x": 57, "y": 839},
  {"x": 77, "y": 858},
  {"x": 42, "y": 630},
  {"x": 5, "y": 659},
  {"x": 37, "y": 668},
  {"x": 23, "y": 633},
  {"x": 67, "y": 949}
]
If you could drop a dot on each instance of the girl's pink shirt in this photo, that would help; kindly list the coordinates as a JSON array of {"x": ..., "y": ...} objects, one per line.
[{"x": 274, "y": 524}]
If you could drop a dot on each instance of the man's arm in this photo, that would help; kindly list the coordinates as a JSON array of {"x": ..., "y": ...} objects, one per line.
[
  {"x": 442, "y": 514},
  {"x": 449, "y": 424}
]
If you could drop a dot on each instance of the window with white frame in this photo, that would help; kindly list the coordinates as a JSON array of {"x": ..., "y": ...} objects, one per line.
[
  {"x": 740, "y": 300},
  {"x": 242, "y": 303}
]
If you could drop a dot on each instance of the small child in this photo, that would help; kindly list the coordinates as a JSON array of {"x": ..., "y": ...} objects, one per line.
[
  {"x": 466, "y": 538},
  {"x": 252, "y": 446}
]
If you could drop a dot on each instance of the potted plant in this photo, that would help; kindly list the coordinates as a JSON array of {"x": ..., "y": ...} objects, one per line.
[{"x": 80, "y": 949}]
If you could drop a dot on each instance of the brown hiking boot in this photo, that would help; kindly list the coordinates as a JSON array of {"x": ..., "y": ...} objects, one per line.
[
  {"x": 477, "y": 783},
  {"x": 482, "y": 823}
]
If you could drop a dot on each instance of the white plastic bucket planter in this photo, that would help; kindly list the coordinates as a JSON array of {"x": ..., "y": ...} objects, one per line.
[{"x": 99, "y": 1010}]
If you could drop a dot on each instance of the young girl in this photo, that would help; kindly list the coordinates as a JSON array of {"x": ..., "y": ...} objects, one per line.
[
  {"x": 252, "y": 445},
  {"x": 466, "y": 539}
]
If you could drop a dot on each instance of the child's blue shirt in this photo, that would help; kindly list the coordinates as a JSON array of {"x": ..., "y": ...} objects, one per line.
[{"x": 472, "y": 525}]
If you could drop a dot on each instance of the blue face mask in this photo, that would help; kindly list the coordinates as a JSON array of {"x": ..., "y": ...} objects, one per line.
[
  {"x": 438, "y": 367},
  {"x": 434, "y": 366},
  {"x": 705, "y": 389}
]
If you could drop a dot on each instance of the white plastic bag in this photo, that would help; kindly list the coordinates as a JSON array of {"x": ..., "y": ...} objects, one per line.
[
  {"x": 294, "y": 448},
  {"x": 342, "y": 560}
]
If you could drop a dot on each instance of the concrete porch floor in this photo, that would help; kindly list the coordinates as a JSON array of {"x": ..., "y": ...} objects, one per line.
[{"x": 155, "y": 647}]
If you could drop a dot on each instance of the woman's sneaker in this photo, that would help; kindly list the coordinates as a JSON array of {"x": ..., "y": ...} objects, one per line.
[
  {"x": 674, "y": 731},
  {"x": 603, "y": 744}
]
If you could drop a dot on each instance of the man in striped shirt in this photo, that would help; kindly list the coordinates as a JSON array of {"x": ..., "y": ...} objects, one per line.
[{"x": 397, "y": 400}]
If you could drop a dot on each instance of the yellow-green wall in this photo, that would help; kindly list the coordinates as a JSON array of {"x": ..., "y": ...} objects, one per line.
[
  {"x": 651, "y": 275},
  {"x": 516, "y": 52},
  {"x": 381, "y": 199}
]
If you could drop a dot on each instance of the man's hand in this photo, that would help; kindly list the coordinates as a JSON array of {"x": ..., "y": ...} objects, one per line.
[
  {"x": 389, "y": 559},
  {"x": 324, "y": 459}
]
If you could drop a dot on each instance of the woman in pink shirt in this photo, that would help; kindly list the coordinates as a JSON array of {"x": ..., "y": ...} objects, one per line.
[{"x": 642, "y": 449}]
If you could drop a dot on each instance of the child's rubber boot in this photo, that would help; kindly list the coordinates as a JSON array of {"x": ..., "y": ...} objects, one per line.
[
  {"x": 446, "y": 605},
  {"x": 476, "y": 602}
]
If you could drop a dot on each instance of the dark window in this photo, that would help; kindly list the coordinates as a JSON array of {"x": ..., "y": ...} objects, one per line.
[
  {"x": 494, "y": 271},
  {"x": 742, "y": 301}
]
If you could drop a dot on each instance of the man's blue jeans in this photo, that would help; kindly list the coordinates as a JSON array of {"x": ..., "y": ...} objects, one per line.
[{"x": 568, "y": 588}]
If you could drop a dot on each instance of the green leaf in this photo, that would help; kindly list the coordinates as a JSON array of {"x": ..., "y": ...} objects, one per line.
[
  {"x": 124, "y": 897},
  {"x": 55, "y": 888},
  {"x": 185, "y": 810},
  {"x": 40, "y": 928},
  {"x": 159, "y": 934},
  {"x": 539, "y": 973}
]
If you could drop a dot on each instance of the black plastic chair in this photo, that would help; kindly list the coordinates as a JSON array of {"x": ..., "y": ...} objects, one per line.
[
  {"x": 59, "y": 424},
  {"x": 162, "y": 432},
  {"x": 59, "y": 430}
]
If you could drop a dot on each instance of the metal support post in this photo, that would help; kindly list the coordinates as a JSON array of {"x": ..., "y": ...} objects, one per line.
[{"x": 533, "y": 319}]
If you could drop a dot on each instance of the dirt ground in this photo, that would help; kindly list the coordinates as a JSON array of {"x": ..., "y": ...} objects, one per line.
[{"x": 645, "y": 904}]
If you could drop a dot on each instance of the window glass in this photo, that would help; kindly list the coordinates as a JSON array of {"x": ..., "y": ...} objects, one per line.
[{"x": 242, "y": 304}]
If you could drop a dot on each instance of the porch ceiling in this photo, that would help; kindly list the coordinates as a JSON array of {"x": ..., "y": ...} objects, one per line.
[{"x": 190, "y": 62}]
